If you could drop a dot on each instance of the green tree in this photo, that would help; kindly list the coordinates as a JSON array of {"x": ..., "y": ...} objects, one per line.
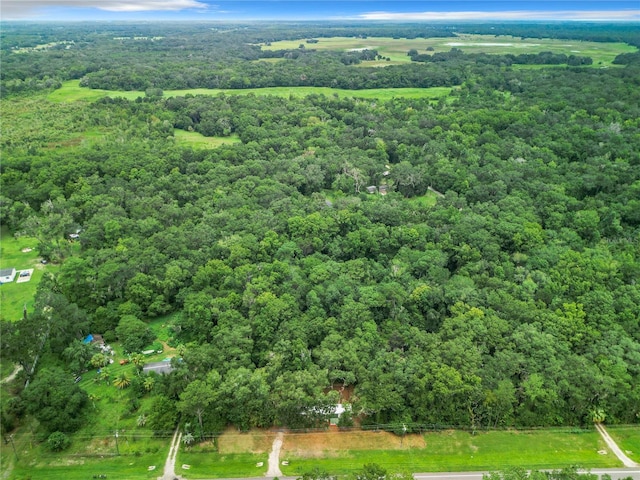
[
  {"x": 133, "y": 333},
  {"x": 56, "y": 401},
  {"x": 163, "y": 415},
  {"x": 122, "y": 381},
  {"x": 197, "y": 397}
]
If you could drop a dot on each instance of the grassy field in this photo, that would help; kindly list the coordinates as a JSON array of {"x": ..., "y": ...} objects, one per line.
[
  {"x": 445, "y": 451},
  {"x": 72, "y": 91},
  {"x": 424, "y": 201},
  {"x": 628, "y": 439},
  {"x": 14, "y": 252},
  {"x": 215, "y": 465},
  {"x": 197, "y": 140},
  {"x": 237, "y": 455},
  {"x": 396, "y": 49},
  {"x": 82, "y": 468}
]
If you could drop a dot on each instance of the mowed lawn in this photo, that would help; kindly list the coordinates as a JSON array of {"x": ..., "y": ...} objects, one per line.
[
  {"x": 447, "y": 451},
  {"x": 59, "y": 467},
  {"x": 19, "y": 253},
  {"x": 628, "y": 439},
  {"x": 237, "y": 455},
  {"x": 396, "y": 48}
]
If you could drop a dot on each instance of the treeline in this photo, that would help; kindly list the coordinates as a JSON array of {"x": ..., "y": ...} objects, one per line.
[
  {"x": 511, "y": 300},
  {"x": 591, "y": 32},
  {"x": 542, "y": 58},
  {"x": 312, "y": 69}
]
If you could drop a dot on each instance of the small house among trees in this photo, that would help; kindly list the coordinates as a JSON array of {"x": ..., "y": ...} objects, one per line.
[
  {"x": 158, "y": 367},
  {"x": 7, "y": 275},
  {"x": 94, "y": 339}
]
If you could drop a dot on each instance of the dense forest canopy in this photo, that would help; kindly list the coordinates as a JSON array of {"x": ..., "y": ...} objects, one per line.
[{"x": 494, "y": 284}]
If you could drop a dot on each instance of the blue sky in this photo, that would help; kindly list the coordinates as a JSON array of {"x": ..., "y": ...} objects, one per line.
[{"x": 228, "y": 10}]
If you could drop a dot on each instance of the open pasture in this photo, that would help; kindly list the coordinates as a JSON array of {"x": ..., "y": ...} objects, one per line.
[
  {"x": 72, "y": 91},
  {"x": 396, "y": 48}
]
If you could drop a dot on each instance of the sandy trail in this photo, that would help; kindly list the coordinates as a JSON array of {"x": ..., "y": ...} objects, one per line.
[
  {"x": 13, "y": 374},
  {"x": 274, "y": 457}
]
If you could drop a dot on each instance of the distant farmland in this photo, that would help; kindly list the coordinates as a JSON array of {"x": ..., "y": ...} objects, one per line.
[{"x": 396, "y": 48}]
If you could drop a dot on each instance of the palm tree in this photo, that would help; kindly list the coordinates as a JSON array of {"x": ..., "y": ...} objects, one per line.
[
  {"x": 122, "y": 381},
  {"x": 188, "y": 439},
  {"x": 148, "y": 383},
  {"x": 93, "y": 398},
  {"x": 137, "y": 359},
  {"x": 99, "y": 360},
  {"x": 104, "y": 375},
  {"x": 142, "y": 420}
]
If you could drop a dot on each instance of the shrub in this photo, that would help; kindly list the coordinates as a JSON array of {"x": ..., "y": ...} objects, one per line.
[{"x": 58, "y": 441}]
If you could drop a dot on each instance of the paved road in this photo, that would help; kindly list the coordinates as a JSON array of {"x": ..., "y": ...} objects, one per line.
[{"x": 615, "y": 473}]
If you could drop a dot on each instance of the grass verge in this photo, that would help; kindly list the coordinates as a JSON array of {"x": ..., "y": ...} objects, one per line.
[
  {"x": 81, "y": 468},
  {"x": 237, "y": 455},
  {"x": 455, "y": 451},
  {"x": 216, "y": 465},
  {"x": 628, "y": 439}
]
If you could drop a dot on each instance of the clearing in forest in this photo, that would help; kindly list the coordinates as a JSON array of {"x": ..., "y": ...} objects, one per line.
[{"x": 71, "y": 91}]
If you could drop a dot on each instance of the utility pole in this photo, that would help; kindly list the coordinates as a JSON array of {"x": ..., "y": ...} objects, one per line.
[
  {"x": 15, "y": 452},
  {"x": 117, "y": 449}
]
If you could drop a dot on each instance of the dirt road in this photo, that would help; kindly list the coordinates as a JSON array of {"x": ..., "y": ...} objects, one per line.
[
  {"x": 274, "y": 457},
  {"x": 170, "y": 465}
]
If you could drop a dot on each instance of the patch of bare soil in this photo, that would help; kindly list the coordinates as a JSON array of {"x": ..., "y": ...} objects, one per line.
[
  {"x": 100, "y": 446},
  {"x": 255, "y": 441},
  {"x": 322, "y": 443},
  {"x": 167, "y": 348},
  {"x": 66, "y": 462}
]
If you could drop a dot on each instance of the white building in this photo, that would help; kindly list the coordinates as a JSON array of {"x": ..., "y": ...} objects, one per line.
[{"x": 7, "y": 275}]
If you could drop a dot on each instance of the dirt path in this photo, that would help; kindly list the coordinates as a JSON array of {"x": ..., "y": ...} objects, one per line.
[
  {"x": 15, "y": 372},
  {"x": 626, "y": 461},
  {"x": 170, "y": 465},
  {"x": 274, "y": 457}
]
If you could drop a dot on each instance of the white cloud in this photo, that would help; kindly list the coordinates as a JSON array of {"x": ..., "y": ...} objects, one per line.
[
  {"x": 621, "y": 15},
  {"x": 21, "y": 9}
]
